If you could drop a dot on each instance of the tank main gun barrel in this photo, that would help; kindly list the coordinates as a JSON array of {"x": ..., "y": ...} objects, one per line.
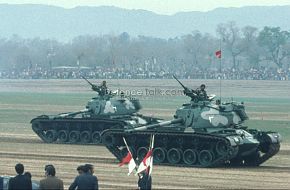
[
  {"x": 70, "y": 114},
  {"x": 161, "y": 124}
]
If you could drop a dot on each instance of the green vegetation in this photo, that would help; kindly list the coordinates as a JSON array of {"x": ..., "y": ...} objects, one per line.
[{"x": 43, "y": 98}]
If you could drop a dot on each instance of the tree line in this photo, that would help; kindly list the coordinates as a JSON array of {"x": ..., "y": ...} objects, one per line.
[{"x": 242, "y": 49}]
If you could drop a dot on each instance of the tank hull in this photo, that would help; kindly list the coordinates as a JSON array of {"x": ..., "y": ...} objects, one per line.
[
  {"x": 189, "y": 149},
  {"x": 72, "y": 130}
]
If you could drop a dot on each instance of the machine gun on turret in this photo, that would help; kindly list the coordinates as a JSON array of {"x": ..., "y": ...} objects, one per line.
[
  {"x": 102, "y": 90},
  {"x": 94, "y": 87},
  {"x": 187, "y": 91}
]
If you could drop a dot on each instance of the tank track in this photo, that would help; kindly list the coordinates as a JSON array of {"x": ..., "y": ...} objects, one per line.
[
  {"x": 265, "y": 151},
  {"x": 72, "y": 130},
  {"x": 203, "y": 147}
]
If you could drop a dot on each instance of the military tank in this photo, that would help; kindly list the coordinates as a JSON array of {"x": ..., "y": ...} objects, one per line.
[
  {"x": 202, "y": 133},
  {"x": 102, "y": 112}
]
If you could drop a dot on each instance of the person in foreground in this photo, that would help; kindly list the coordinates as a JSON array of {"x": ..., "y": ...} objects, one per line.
[
  {"x": 20, "y": 181},
  {"x": 85, "y": 180},
  {"x": 51, "y": 181},
  {"x": 145, "y": 181}
]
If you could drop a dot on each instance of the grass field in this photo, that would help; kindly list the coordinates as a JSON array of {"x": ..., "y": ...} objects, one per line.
[
  {"x": 266, "y": 113},
  {"x": 267, "y": 104}
]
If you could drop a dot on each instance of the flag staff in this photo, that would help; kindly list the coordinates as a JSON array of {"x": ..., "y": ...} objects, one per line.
[{"x": 220, "y": 70}]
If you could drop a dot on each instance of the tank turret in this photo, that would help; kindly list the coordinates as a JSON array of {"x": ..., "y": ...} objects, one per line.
[
  {"x": 202, "y": 133},
  {"x": 102, "y": 112}
]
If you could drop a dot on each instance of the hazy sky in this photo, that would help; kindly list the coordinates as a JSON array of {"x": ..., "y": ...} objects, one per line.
[{"x": 157, "y": 6}]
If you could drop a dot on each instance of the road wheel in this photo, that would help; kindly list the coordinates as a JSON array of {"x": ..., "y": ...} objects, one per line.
[
  {"x": 174, "y": 155},
  {"x": 108, "y": 140},
  {"x": 85, "y": 137},
  {"x": 189, "y": 156},
  {"x": 222, "y": 148},
  {"x": 96, "y": 137},
  {"x": 141, "y": 152},
  {"x": 63, "y": 136},
  {"x": 50, "y": 136},
  {"x": 74, "y": 136},
  {"x": 205, "y": 158},
  {"x": 159, "y": 154}
]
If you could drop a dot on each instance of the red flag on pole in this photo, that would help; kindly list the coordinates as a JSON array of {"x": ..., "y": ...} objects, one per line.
[
  {"x": 128, "y": 159},
  {"x": 218, "y": 54},
  {"x": 147, "y": 162}
]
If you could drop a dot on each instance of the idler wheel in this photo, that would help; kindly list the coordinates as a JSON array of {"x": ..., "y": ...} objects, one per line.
[
  {"x": 36, "y": 126},
  {"x": 63, "y": 136},
  {"x": 141, "y": 152},
  {"x": 96, "y": 137},
  {"x": 159, "y": 154},
  {"x": 221, "y": 148},
  {"x": 74, "y": 136},
  {"x": 174, "y": 155},
  {"x": 85, "y": 137},
  {"x": 205, "y": 158},
  {"x": 50, "y": 136},
  {"x": 189, "y": 156}
]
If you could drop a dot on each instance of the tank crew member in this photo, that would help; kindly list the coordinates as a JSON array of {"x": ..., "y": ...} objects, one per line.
[
  {"x": 201, "y": 93},
  {"x": 102, "y": 89},
  {"x": 197, "y": 95}
]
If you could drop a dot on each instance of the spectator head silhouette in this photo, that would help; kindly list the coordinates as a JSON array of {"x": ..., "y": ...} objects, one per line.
[
  {"x": 19, "y": 168},
  {"x": 89, "y": 168},
  {"x": 49, "y": 170}
]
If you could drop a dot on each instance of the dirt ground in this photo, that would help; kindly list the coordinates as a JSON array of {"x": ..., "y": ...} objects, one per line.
[
  {"x": 34, "y": 154},
  {"x": 28, "y": 149}
]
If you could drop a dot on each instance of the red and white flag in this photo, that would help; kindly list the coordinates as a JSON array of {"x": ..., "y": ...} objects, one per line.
[
  {"x": 128, "y": 159},
  {"x": 147, "y": 162},
  {"x": 218, "y": 54}
]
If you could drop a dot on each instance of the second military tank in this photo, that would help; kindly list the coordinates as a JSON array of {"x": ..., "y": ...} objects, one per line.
[
  {"x": 202, "y": 133},
  {"x": 102, "y": 112}
]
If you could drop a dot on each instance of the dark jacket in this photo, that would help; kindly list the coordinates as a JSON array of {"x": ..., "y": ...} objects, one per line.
[
  {"x": 51, "y": 182},
  {"x": 85, "y": 181},
  {"x": 145, "y": 182},
  {"x": 20, "y": 182},
  {"x": 1, "y": 183}
]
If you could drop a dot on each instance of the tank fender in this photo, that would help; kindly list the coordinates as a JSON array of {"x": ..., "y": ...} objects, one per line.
[
  {"x": 235, "y": 140},
  {"x": 275, "y": 137}
]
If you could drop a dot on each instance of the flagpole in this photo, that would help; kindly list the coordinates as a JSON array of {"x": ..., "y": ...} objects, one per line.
[
  {"x": 127, "y": 146},
  {"x": 221, "y": 71}
]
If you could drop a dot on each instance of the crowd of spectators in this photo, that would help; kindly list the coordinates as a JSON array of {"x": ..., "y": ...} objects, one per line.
[
  {"x": 85, "y": 179},
  {"x": 117, "y": 73}
]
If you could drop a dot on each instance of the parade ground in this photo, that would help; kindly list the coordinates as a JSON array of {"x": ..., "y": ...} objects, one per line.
[{"x": 267, "y": 104}]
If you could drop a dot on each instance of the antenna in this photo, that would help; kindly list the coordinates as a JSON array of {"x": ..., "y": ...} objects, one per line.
[{"x": 220, "y": 58}]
